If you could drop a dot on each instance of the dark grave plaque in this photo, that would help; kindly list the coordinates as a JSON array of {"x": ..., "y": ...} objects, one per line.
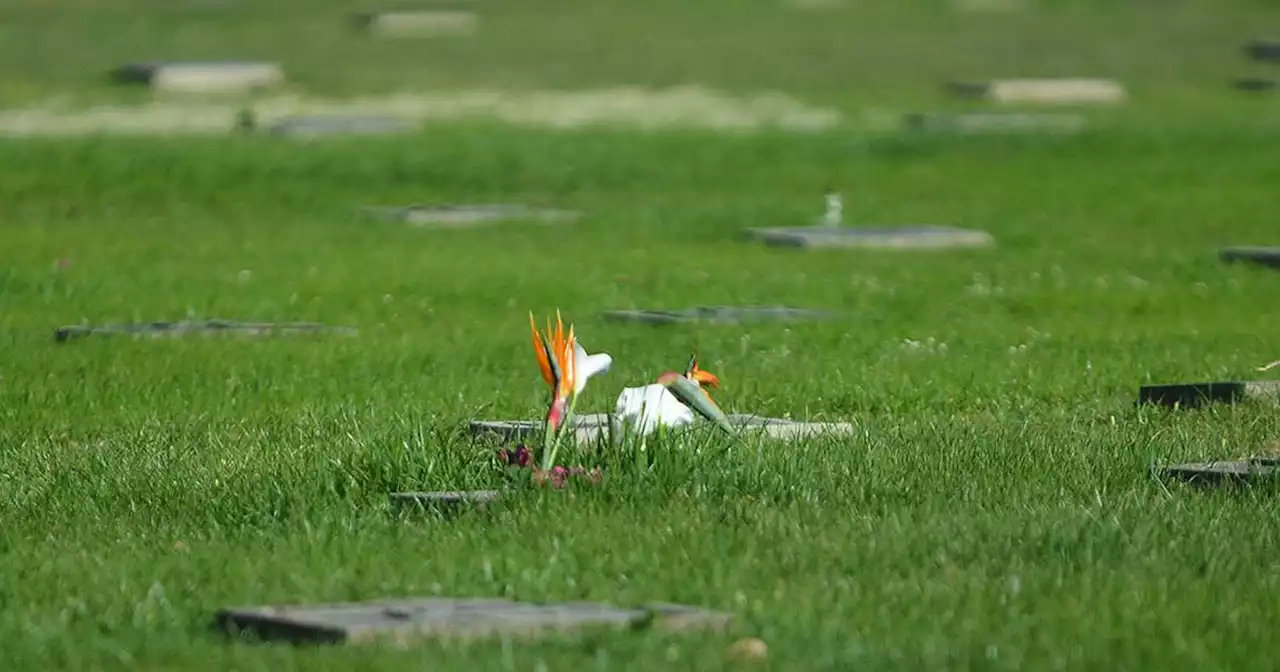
[
  {"x": 1264, "y": 256},
  {"x": 406, "y": 620},
  {"x": 718, "y": 315},
  {"x": 595, "y": 427},
  {"x": 1256, "y": 84},
  {"x": 201, "y": 76},
  {"x": 995, "y": 122},
  {"x": 1192, "y": 395},
  {"x": 919, "y": 237},
  {"x": 202, "y": 327},
  {"x": 446, "y": 502},
  {"x": 1263, "y": 50},
  {"x": 468, "y": 216},
  {"x": 312, "y": 126},
  {"x": 1243, "y": 471}
]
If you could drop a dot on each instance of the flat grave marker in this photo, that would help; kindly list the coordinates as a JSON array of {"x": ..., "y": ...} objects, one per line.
[
  {"x": 1263, "y": 256},
  {"x": 995, "y": 122},
  {"x": 201, "y": 76},
  {"x": 1061, "y": 91},
  {"x": 182, "y": 328},
  {"x": 1257, "y": 84},
  {"x": 1194, "y": 395},
  {"x": 468, "y": 216},
  {"x": 418, "y": 23},
  {"x": 595, "y": 427},
  {"x": 911, "y": 237},
  {"x": 718, "y": 315},
  {"x": 312, "y": 126},
  {"x": 1263, "y": 50},
  {"x": 1223, "y": 472},
  {"x": 446, "y": 501},
  {"x": 405, "y": 620}
]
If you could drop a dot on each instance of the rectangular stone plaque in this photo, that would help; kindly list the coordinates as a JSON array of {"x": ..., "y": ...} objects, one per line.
[
  {"x": 1263, "y": 256},
  {"x": 418, "y": 23},
  {"x": 468, "y": 216},
  {"x": 406, "y": 620},
  {"x": 202, "y": 327},
  {"x": 922, "y": 237},
  {"x": 312, "y": 126},
  {"x": 1249, "y": 470},
  {"x": 1061, "y": 91},
  {"x": 202, "y": 76},
  {"x": 1192, "y": 395},
  {"x": 1257, "y": 84},
  {"x": 718, "y": 315},
  {"x": 446, "y": 500},
  {"x": 974, "y": 123},
  {"x": 596, "y": 427},
  {"x": 1263, "y": 50}
]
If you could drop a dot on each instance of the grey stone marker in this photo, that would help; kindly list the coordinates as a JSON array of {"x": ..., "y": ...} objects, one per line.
[
  {"x": 202, "y": 76},
  {"x": 311, "y": 126},
  {"x": 1257, "y": 84},
  {"x": 468, "y": 216},
  {"x": 1060, "y": 91},
  {"x": 447, "y": 502},
  {"x": 918, "y": 237},
  {"x": 203, "y": 327},
  {"x": 1264, "y": 256},
  {"x": 405, "y": 620},
  {"x": 1192, "y": 395},
  {"x": 1263, "y": 50},
  {"x": 718, "y": 315},
  {"x": 996, "y": 122},
  {"x": 596, "y": 427},
  {"x": 1251, "y": 470},
  {"x": 418, "y": 23}
]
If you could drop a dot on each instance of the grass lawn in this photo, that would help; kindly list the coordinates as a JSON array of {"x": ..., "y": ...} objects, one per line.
[{"x": 992, "y": 511}]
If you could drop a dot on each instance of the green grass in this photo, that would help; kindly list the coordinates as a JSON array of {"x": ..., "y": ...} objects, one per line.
[{"x": 993, "y": 510}]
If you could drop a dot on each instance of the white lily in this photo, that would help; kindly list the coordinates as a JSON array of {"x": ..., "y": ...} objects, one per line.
[
  {"x": 649, "y": 407},
  {"x": 587, "y": 366},
  {"x": 646, "y": 408}
]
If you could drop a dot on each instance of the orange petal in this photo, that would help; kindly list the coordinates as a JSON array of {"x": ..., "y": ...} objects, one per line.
[
  {"x": 704, "y": 377},
  {"x": 569, "y": 361},
  {"x": 540, "y": 350}
]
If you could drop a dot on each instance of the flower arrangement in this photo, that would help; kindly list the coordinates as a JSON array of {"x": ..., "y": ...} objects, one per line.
[{"x": 566, "y": 367}]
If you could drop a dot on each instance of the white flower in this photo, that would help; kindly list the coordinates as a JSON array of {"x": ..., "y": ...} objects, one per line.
[
  {"x": 648, "y": 407},
  {"x": 586, "y": 365}
]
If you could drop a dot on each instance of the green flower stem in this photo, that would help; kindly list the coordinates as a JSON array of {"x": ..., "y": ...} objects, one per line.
[{"x": 549, "y": 453}]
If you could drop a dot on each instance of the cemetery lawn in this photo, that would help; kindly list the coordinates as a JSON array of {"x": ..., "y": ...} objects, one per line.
[{"x": 993, "y": 510}]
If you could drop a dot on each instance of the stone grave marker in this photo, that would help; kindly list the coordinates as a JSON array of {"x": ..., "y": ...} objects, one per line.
[
  {"x": 1257, "y": 84},
  {"x": 446, "y": 502},
  {"x": 312, "y": 126},
  {"x": 914, "y": 237},
  {"x": 974, "y": 123},
  {"x": 418, "y": 23},
  {"x": 1062, "y": 91},
  {"x": 1263, "y": 256},
  {"x": 468, "y": 216},
  {"x": 1263, "y": 50},
  {"x": 1243, "y": 471},
  {"x": 1193, "y": 395},
  {"x": 182, "y": 328},
  {"x": 202, "y": 76},
  {"x": 596, "y": 427},
  {"x": 403, "y": 621},
  {"x": 718, "y": 315}
]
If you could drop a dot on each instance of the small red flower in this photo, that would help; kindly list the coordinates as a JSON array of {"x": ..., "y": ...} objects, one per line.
[{"x": 521, "y": 456}]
